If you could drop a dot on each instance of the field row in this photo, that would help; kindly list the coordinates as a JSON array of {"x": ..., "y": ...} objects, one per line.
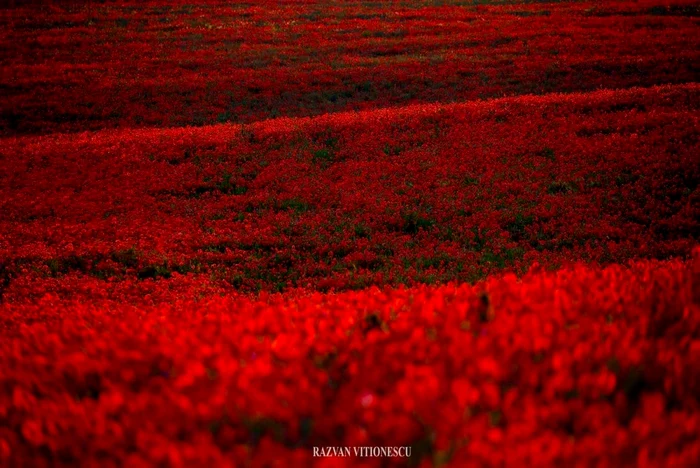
[
  {"x": 70, "y": 68},
  {"x": 428, "y": 193}
]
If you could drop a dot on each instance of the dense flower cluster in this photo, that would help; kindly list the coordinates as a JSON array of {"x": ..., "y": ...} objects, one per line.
[
  {"x": 577, "y": 367},
  {"x": 88, "y": 65}
]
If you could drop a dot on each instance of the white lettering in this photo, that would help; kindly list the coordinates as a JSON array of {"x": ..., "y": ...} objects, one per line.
[{"x": 364, "y": 451}]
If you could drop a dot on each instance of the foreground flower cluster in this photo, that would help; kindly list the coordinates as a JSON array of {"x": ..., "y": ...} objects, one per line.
[{"x": 577, "y": 367}]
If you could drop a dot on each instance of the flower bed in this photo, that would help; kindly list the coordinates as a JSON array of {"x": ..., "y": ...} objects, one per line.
[
  {"x": 583, "y": 366},
  {"x": 423, "y": 194},
  {"x": 80, "y": 65},
  {"x": 252, "y": 234}
]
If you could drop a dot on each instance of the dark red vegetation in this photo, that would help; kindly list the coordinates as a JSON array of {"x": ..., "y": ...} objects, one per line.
[
  {"x": 232, "y": 233},
  {"x": 91, "y": 66}
]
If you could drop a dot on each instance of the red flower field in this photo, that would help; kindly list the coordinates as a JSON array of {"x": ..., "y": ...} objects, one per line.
[{"x": 233, "y": 234}]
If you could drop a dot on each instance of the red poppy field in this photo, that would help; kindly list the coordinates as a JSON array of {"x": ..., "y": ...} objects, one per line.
[{"x": 231, "y": 234}]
